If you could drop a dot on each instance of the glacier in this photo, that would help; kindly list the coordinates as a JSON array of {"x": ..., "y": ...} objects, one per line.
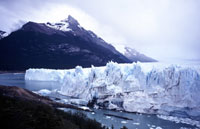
[{"x": 152, "y": 88}]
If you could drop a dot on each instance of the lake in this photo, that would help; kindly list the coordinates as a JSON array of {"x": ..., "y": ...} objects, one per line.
[{"x": 138, "y": 121}]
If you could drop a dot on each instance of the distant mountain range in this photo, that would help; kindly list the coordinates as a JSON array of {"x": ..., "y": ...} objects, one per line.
[
  {"x": 135, "y": 56},
  {"x": 56, "y": 45}
]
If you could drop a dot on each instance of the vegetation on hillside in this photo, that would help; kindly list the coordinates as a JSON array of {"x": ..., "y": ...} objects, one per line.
[{"x": 22, "y": 113}]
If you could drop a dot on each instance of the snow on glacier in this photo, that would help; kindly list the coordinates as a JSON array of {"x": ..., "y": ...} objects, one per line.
[
  {"x": 153, "y": 88},
  {"x": 44, "y": 74}
]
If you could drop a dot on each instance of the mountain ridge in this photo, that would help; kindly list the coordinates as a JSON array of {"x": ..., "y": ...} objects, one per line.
[
  {"x": 135, "y": 56},
  {"x": 36, "y": 45}
]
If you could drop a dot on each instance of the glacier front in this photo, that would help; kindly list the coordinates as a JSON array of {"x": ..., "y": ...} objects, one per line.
[{"x": 153, "y": 88}]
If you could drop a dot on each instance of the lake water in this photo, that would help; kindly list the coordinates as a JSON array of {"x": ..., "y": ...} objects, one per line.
[{"x": 139, "y": 121}]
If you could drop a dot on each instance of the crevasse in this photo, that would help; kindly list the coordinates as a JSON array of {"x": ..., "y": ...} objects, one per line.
[{"x": 153, "y": 88}]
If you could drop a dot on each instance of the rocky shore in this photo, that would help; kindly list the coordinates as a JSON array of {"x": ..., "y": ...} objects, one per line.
[{"x": 21, "y": 108}]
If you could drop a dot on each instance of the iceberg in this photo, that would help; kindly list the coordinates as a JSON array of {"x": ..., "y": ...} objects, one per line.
[
  {"x": 153, "y": 88},
  {"x": 44, "y": 74}
]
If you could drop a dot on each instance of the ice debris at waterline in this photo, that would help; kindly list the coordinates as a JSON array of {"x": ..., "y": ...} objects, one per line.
[
  {"x": 180, "y": 120},
  {"x": 153, "y": 88}
]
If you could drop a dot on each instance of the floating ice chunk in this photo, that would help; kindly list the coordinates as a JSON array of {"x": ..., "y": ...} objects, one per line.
[
  {"x": 136, "y": 123},
  {"x": 180, "y": 120},
  {"x": 158, "y": 127},
  {"x": 124, "y": 122},
  {"x": 84, "y": 108},
  {"x": 108, "y": 117},
  {"x": 44, "y": 92},
  {"x": 63, "y": 109},
  {"x": 78, "y": 101}
]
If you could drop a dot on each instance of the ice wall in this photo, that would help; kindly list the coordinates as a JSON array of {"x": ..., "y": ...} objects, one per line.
[
  {"x": 153, "y": 88},
  {"x": 45, "y": 74}
]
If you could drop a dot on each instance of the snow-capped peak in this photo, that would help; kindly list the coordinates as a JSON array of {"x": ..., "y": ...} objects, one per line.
[
  {"x": 72, "y": 21},
  {"x": 131, "y": 50},
  {"x": 120, "y": 48},
  {"x": 133, "y": 54},
  {"x": 123, "y": 49},
  {"x": 64, "y": 25},
  {"x": 59, "y": 26},
  {"x": 3, "y": 34}
]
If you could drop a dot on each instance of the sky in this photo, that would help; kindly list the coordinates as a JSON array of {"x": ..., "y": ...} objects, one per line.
[{"x": 167, "y": 30}]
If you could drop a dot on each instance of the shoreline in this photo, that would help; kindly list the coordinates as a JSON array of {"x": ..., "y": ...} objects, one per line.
[
  {"x": 37, "y": 111},
  {"x": 3, "y": 72},
  {"x": 17, "y": 92}
]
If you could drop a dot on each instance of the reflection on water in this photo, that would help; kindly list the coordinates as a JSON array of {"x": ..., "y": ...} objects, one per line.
[
  {"x": 17, "y": 79},
  {"x": 12, "y": 79},
  {"x": 38, "y": 85}
]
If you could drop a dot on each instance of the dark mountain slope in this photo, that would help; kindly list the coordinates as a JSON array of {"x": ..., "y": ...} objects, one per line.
[
  {"x": 60, "y": 45},
  {"x": 22, "y": 109}
]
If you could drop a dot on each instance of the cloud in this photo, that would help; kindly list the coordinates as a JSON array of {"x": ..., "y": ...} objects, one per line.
[
  {"x": 167, "y": 29},
  {"x": 53, "y": 11}
]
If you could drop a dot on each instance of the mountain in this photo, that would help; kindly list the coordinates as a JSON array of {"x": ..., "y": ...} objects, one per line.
[
  {"x": 2, "y": 34},
  {"x": 134, "y": 55},
  {"x": 55, "y": 45}
]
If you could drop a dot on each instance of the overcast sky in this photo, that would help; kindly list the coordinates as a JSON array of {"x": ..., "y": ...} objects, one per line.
[{"x": 162, "y": 29}]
